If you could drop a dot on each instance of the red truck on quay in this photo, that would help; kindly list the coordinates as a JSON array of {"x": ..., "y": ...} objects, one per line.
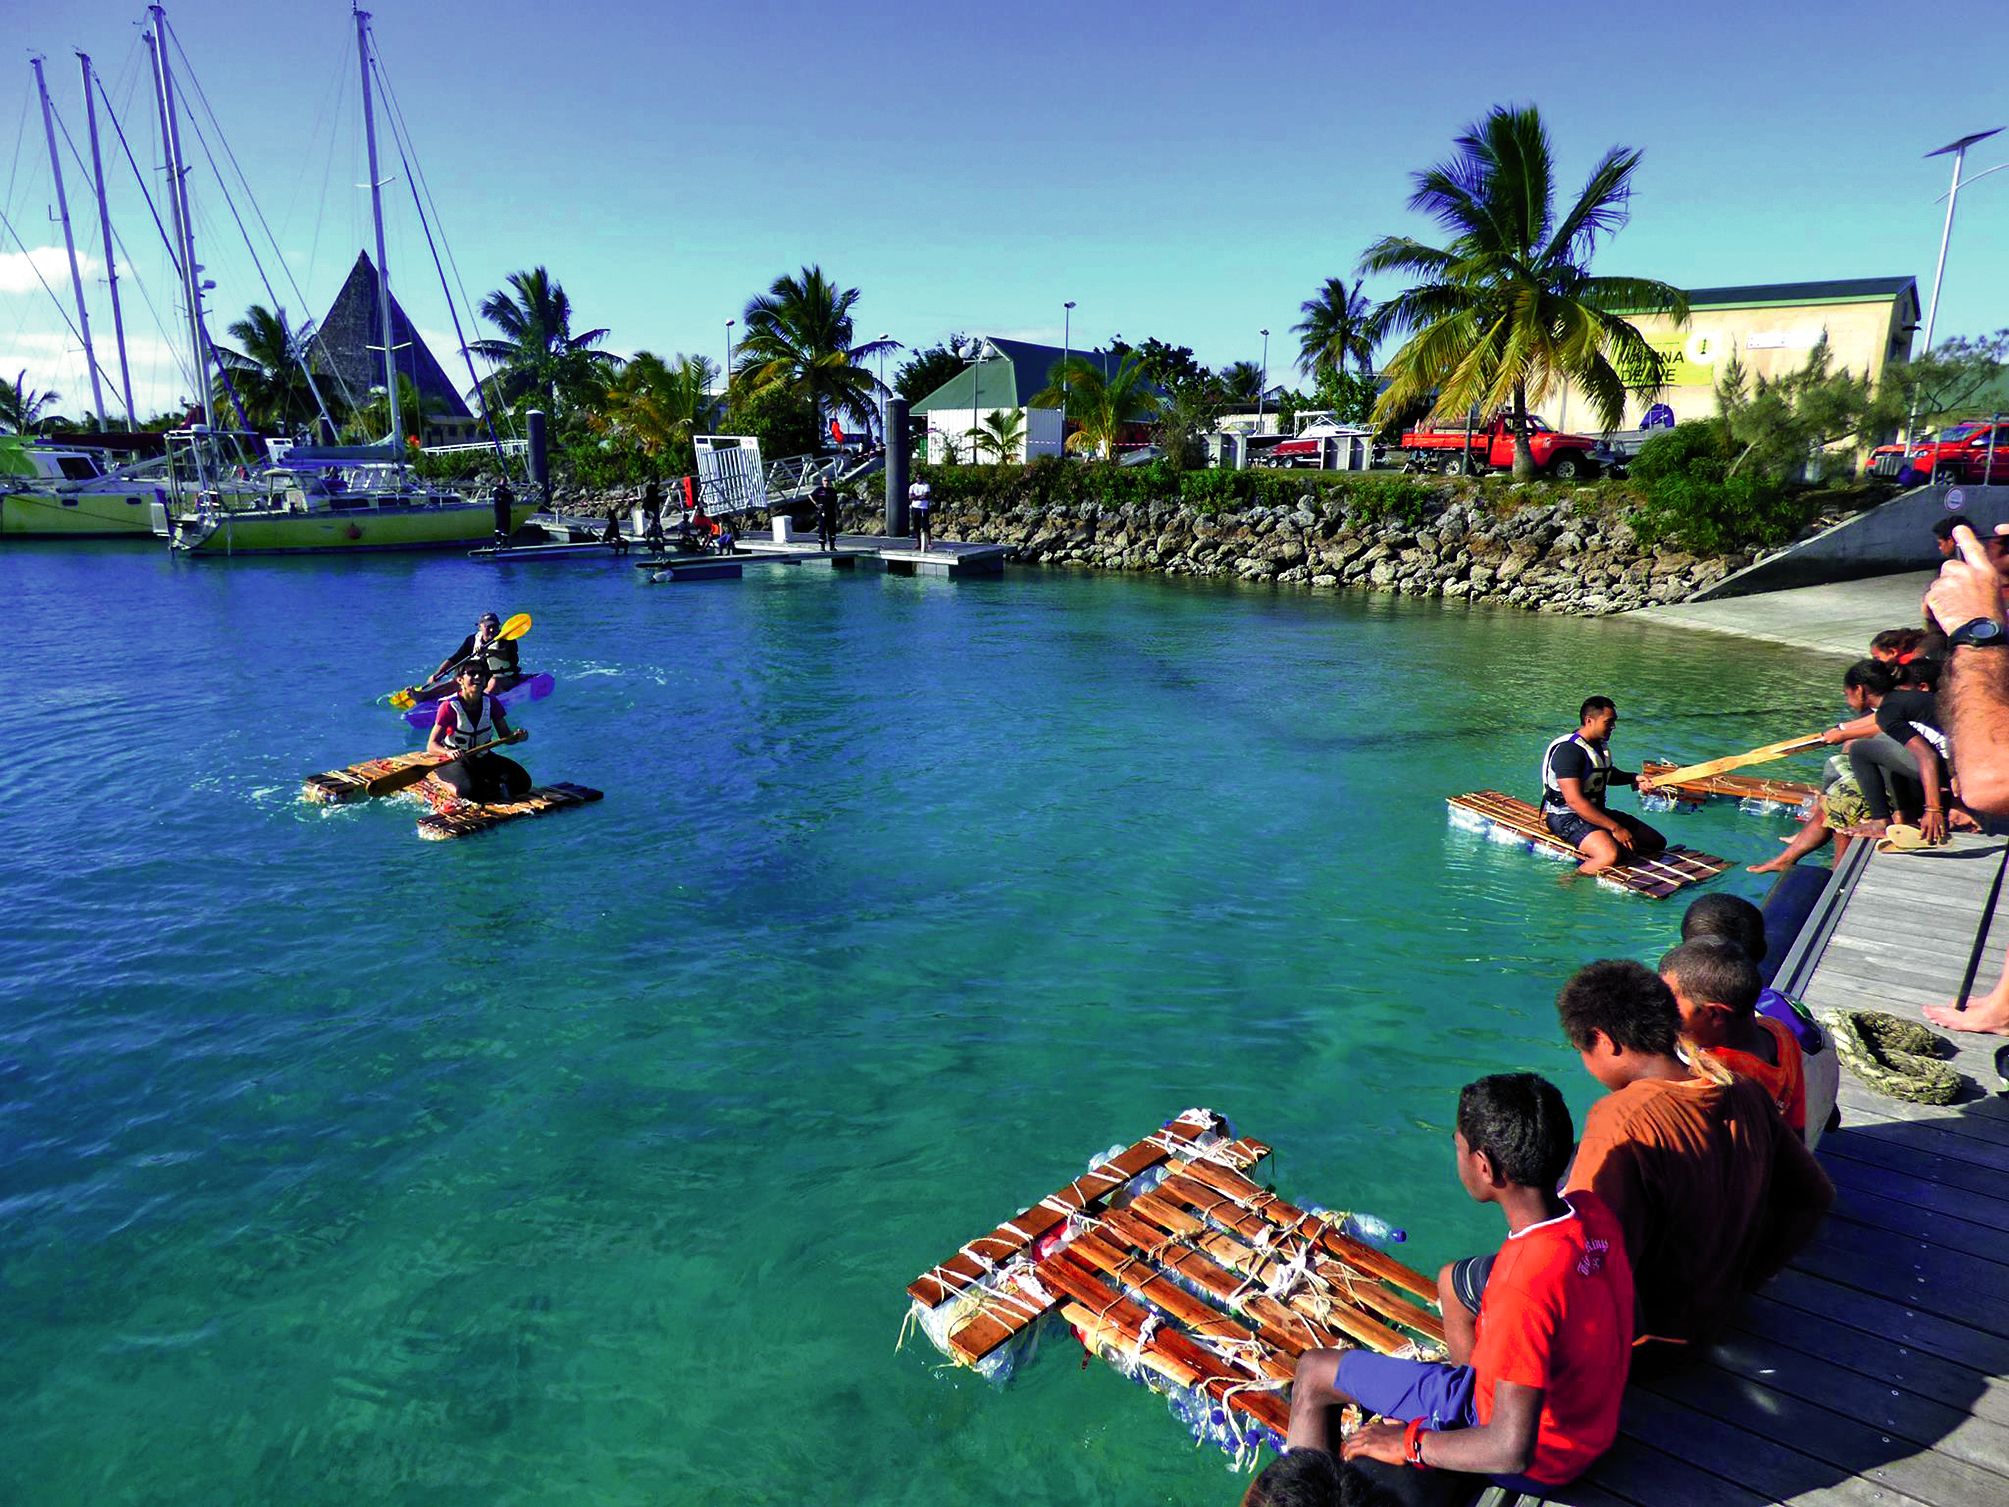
[
  {"x": 1490, "y": 447},
  {"x": 1973, "y": 451}
]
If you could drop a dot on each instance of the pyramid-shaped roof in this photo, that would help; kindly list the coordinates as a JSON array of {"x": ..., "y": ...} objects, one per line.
[{"x": 351, "y": 337}]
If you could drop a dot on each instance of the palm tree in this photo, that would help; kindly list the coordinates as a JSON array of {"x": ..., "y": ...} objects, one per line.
[
  {"x": 659, "y": 405},
  {"x": 370, "y": 424},
  {"x": 799, "y": 336},
  {"x": 1241, "y": 382},
  {"x": 1334, "y": 331},
  {"x": 1001, "y": 434},
  {"x": 267, "y": 369},
  {"x": 25, "y": 410},
  {"x": 1508, "y": 309},
  {"x": 1099, "y": 406},
  {"x": 538, "y": 355}
]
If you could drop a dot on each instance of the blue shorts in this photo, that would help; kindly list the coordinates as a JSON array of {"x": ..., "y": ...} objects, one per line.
[
  {"x": 1435, "y": 1391},
  {"x": 1567, "y": 825}
]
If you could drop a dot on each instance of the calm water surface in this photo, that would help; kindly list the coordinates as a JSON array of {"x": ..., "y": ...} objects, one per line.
[{"x": 586, "y": 1161}]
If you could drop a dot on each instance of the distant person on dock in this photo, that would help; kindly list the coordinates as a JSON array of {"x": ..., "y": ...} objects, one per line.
[
  {"x": 503, "y": 499},
  {"x": 920, "y": 500},
  {"x": 1716, "y": 988},
  {"x": 1712, "y": 1190},
  {"x": 611, "y": 534},
  {"x": 1942, "y": 533},
  {"x": 1966, "y": 602},
  {"x": 1576, "y": 771},
  {"x": 495, "y": 658},
  {"x": 1529, "y": 1394},
  {"x": 824, "y": 500},
  {"x": 652, "y": 514},
  {"x": 467, "y": 719}
]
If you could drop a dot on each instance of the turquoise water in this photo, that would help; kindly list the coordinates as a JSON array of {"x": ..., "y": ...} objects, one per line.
[{"x": 586, "y": 1161}]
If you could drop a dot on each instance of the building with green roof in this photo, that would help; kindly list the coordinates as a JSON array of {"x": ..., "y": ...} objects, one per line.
[{"x": 1007, "y": 374}]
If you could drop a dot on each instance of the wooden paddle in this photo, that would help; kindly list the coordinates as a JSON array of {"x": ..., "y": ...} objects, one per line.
[
  {"x": 403, "y": 779},
  {"x": 1735, "y": 761},
  {"x": 404, "y": 700}
]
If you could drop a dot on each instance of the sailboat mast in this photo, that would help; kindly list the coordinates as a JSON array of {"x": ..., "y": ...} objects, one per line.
[
  {"x": 177, "y": 193},
  {"x": 111, "y": 259},
  {"x": 377, "y": 214},
  {"x": 70, "y": 242}
]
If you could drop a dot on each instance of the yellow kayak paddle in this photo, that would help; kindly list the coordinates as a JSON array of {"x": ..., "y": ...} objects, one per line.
[{"x": 516, "y": 627}]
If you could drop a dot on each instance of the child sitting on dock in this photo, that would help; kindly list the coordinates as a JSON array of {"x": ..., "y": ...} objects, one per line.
[
  {"x": 1530, "y": 1393},
  {"x": 1713, "y": 1192},
  {"x": 1716, "y": 989}
]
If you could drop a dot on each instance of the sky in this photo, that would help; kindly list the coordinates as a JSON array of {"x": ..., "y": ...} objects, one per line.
[{"x": 1185, "y": 171}]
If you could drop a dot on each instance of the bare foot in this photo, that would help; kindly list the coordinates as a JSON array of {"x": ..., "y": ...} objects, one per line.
[
  {"x": 1988, "y": 1015},
  {"x": 1777, "y": 865},
  {"x": 1867, "y": 829}
]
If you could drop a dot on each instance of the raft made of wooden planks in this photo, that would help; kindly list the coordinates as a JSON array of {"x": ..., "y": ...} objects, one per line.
[
  {"x": 1177, "y": 1269},
  {"x": 1505, "y": 819},
  {"x": 365, "y": 780},
  {"x": 1752, "y": 793},
  {"x": 453, "y": 817}
]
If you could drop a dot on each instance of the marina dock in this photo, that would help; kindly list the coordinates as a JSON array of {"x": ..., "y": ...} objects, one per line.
[
  {"x": 1873, "y": 1369},
  {"x": 877, "y": 552}
]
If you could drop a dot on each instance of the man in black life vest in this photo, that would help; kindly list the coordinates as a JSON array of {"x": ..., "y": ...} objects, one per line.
[
  {"x": 467, "y": 719},
  {"x": 1576, "y": 770},
  {"x": 501, "y": 667}
]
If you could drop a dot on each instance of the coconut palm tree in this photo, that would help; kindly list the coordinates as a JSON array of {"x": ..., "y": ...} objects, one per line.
[
  {"x": 25, "y": 410},
  {"x": 1507, "y": 310},
  {"x": 370, "y": 423},
  {"x": 1001, "y": 434},
  {"x": 800, "y": 336},
  {"x": 1334, "y": 331},
  {"x": 267, "y": 369},
  {"x": 1099, "y": 406},
  {"x": 537, "y": 354},
  {"x": 659, "y": 405},
  {"x": 1241, "y": 382}
]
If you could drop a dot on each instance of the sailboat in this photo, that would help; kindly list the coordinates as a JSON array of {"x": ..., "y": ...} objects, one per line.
[
  {"x": 312, "y": 498},
  {"x": 53, "y": 491}
]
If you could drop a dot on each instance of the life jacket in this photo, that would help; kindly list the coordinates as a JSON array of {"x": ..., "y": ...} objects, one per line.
[
  {"x": 499, "y": 654},
  {"x": 470, "y": 730},
  {"x": 1593, "y": 783}
]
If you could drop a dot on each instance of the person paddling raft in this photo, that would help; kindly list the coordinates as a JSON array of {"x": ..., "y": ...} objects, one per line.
[
  {"x": 1576, "y": 771},
  {"x": 467, "y": 719},
  {"x": 496, "y": 656}
]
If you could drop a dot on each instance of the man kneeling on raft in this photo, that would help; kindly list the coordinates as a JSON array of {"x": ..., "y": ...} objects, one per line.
[
  {"x": 1576, "y": 769},
  {"x": 467, "y": 719}
]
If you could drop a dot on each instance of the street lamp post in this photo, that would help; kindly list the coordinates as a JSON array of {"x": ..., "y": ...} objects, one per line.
[
  {"x": 1263, "y": 382},
  {"x": 1959, "y": 151},
  {"x": 885, "y": 343},
  {"x": 1066, "y": 351},
  {"x": 728, "y": 353},
  {"x": 976, "y": 386}
]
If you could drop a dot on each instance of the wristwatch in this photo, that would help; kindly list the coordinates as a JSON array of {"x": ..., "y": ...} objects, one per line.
[{"x": 1980, "y": 633}]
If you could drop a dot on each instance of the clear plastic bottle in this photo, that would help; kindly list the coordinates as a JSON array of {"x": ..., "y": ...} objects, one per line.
[{"x": 1372, "y": 1229}]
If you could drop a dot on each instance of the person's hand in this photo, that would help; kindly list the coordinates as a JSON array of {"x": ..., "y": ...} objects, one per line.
[
  {"x": 1622, "y": 835},
  {"x": 519, "y": 735},
  {"x": 1381, "y": 1440},
  {"x": 1646, "y": 784},
  {"x": 1967, "y": 587},
  {"x": 1932, "y": 825},
  {"x": 1831, "y": 735}
]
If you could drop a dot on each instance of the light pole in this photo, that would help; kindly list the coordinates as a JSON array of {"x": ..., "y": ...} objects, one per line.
[
  {"x": 728, "y": 353},
  {"x": 976, "y": 385},
  {"x": 885, "y": 343},
  {"x": 1263, "y": 382},
  {"x": 1959, "y": 151},
  {"x": 1066, "y": 350}
]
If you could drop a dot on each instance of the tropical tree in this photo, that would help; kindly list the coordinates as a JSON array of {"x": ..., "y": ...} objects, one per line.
[
  {"x": 536, "y": 354},
  {"x": 658, "y": 406},
  {"x": 1507, "y": 309},
  {"x": 800, "y": 336},
  {"x": 370, "y": 423},
  {"x": 1099, "y": 406},
  {"x": 1241, "y": 382},
  {"x": 1001, "y": 434},
  {"x": 926, "y": 370},
  {"x": 267, "y": 370},
  {"x": 25, "y": 410},
  {"x": 1334, "y": 331}
]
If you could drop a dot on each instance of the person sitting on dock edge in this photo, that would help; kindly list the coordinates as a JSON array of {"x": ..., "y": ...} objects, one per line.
[
  {"x": 1576, "y": 770},
  {"x": 1530, "y": 1392},
  {"x": 467, "y": 719},
  {"x": 1716, "y": 989},
  {"x": 1713, "y": 1192}
]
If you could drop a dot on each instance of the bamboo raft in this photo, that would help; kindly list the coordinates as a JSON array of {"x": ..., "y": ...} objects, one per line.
[
  {"x": 365, "y": 780},
  {"x": 1167, "y": 1261},
  {"x": 1752, "y": 793},
  {"x": 453, "y": 817},
  {"x": 1505, "y": 819}
]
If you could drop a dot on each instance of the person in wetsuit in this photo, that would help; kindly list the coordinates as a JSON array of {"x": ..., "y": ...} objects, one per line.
[
  {"x": 497, "y": 657},
  {"x": 467, "y": 719},
  {"x": 824, "y": 500},
  {"x": 1576, "y": 771},
  {"x": 503, "y": 499}
]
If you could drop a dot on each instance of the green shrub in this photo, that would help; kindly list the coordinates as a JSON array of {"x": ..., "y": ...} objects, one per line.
[{"x": 1694, "y": 500}]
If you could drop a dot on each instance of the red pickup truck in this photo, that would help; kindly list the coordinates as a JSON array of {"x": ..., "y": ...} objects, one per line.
[
  {"x": 1566, "y": 457},
  {"x": 1958, "y": 453}
]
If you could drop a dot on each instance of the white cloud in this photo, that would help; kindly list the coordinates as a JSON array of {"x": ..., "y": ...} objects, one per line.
[{"x": 18, "y": 270}]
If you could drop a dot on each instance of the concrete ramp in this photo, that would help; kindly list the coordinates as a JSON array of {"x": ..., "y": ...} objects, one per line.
[
  {"x": 1895, "y": 536},
  {"x": 1838, "y": 618}
]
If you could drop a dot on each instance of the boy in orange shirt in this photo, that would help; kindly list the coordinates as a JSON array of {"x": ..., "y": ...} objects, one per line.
[{"x": 1716, "y": 988}]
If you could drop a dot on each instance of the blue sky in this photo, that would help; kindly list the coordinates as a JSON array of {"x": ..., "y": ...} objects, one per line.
[{"x": 1187, "y": 171}]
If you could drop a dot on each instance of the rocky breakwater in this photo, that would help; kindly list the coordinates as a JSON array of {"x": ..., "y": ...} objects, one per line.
[{"x": 1545, "y": 556}]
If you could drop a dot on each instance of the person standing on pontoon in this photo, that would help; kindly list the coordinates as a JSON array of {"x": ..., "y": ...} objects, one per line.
[
  {"x": 1576, "y": 770},
  {"x": 503, "y": 499},
  {"x": 920, "y": 497}
]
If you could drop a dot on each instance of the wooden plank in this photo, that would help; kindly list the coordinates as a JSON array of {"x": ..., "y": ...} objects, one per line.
[
  {"x": 1918, "y": 1160},
  {"x": 1867, "y": 1352},
  {"x": 1841, "y": 1442},
  {"x": 1925, "y": 1278},
  {"x": 1656, "y": 878},
  {"x": 1937, "y": 1243},
  {"x": 1142, "y": 1280},
  {"x": 464, "y": 820},
  {"x": 1966, "y": 1128},
  {"x": 1635, "y": 1471},
  {"x": 1906, "y": 1196}
]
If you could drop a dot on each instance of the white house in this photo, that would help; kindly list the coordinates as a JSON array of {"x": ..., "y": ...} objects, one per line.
[{"x": 1006, "y": 374}]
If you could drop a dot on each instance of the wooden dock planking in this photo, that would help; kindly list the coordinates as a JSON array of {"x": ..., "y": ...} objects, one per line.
[
  {"x": 1872, "y": 1370},
  {"x": 1666, "y": 873}
]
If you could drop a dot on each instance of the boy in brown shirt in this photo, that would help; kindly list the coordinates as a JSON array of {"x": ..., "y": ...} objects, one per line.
[{"x": 1712, "y": 1190}]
